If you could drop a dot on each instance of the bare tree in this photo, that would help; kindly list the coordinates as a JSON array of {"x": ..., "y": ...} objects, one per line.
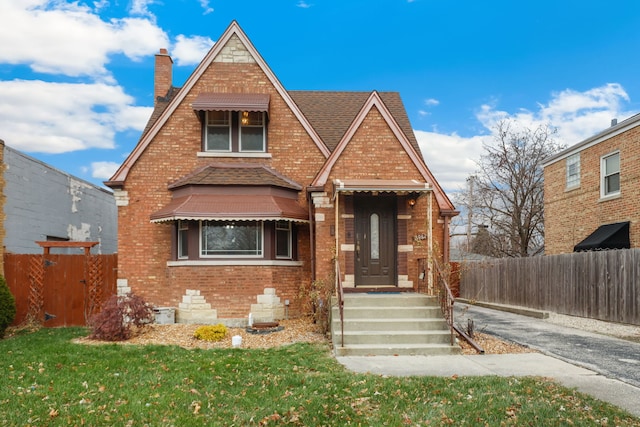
[{"x": 507, "y": 195}]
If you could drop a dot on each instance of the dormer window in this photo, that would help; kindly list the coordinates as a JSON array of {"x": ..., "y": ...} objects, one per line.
[
  {"x": 252, "y": 131},
  {"x": 235, "y": 131},
  {"x": 233, "y": 122},
  {"x": 218, "y": 132}
]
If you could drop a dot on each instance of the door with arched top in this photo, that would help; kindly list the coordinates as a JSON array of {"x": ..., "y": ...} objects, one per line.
[{"x": 375, "y": 241}]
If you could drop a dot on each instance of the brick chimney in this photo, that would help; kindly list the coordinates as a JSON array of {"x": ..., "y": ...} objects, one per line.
[{"x": 163, "y": 75}]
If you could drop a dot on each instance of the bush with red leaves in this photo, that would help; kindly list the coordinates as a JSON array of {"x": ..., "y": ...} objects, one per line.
[{"x": 118, "y": 315}]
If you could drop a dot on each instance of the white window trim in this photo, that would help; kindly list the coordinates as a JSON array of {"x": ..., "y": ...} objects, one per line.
[
  {"x": 289, "y": 243},
  {"x": 602, "y": 176},
  {"x": 264, "y": 131},
  {"x": 246, "y": 154},
  {"x": 231, "y": 262},
  {"x": 182, "y": 226},
  {"x": 576, "y": 184},
  {"x": 206, "y": 134},
  {"x": 261, "y": 255}
]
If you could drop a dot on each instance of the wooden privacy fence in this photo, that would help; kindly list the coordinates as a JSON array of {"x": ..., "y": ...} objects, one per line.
[
  {"x": 602, "y": 285},
  {"x": 59, "y": 290}
]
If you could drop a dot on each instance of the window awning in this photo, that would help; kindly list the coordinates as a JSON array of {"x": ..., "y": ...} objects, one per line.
[
  {"x": 381, "y": 185},
  {"x": 215, "y": 101},
  {"x": 261, "y": 207},
  {"x": 610, "y": 236}
]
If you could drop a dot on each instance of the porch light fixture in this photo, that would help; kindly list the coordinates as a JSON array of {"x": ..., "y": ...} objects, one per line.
[{"x": 412, "y": 203}]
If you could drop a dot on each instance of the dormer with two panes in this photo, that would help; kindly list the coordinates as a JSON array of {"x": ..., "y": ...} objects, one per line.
[{"x": 234, "y": 124}]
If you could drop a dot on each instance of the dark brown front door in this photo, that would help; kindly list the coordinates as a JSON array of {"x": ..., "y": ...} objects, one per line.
[{"x": 375, "y": 224}]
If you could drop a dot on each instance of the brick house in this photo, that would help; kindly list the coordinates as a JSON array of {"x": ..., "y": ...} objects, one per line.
[
  {"x": 592, "y": 192},
  {"x": 238, "y": 185}
]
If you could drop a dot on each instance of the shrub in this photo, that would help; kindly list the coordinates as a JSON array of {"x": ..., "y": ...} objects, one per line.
[
  {"x": 211, "y": 332},
  {"x": 7, "y": 307},
  {"x": 119, "y": 314}
]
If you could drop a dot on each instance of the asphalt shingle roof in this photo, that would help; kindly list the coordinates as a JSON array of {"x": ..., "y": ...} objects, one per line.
[
  {"x": 331, "y": 113},
  {"x": 236, "y": 174}
]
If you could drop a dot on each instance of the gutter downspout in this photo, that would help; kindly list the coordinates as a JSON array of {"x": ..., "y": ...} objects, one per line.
[
  {"x": 445, "y": 244},
  {"x": 430, "y": 240},
  {"x": 312, "y": 234},
  {"x": 337, "y": 231}
]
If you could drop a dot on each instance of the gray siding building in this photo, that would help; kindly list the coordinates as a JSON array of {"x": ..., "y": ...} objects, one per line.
[{"x": 41, "y": 203}]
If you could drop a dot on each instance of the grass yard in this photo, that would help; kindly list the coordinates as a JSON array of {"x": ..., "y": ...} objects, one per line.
[{"x": 48, "y": 380}]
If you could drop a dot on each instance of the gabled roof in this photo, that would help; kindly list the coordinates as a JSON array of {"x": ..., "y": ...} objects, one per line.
[
  {"x": 375, "y": 101},
  {"x": 233, "y": 30},
  {"x": 331, "y": 113},
  {"x": 238, "y": 174},
  {"x": 610, "y": 132}
]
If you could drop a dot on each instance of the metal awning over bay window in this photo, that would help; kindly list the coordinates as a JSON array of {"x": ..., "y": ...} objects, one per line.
[
  {"x": 246, "y": 207},
  {"x": 215, "y": 101}
]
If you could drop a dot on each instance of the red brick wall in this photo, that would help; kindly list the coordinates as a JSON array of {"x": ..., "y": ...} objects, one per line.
[
  {"x": 145, "y": 247},
  {"x": 374, "y": 152},
  {"x": 572, "y": 215}
]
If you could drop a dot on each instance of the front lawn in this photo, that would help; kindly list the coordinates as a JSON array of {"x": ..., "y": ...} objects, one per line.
[{"x": 48, "y": 380}]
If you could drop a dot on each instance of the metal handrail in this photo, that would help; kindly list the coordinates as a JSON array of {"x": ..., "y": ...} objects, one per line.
[
  {"x": 446, "y": 297},
  {"x": 340, "y": 292}
]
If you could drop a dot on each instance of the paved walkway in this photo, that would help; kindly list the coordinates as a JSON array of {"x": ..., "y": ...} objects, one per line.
[{"x": 574, "y": 358}]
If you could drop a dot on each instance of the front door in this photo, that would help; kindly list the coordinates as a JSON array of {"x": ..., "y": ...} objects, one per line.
[{"x": 375, "y": 251}]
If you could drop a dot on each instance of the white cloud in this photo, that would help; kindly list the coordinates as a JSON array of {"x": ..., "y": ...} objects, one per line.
[
  {"x": 431, "y": 102},
  {"x": 303, "y": 4},
  {"x": 576, "y": 115},
  {"x": 141, "y": 7},
  {"x": 37, "y": 116},
  {"x": 205, "y": 5},
  {"x": 451, "y": 158},
  {"x": 70, "y": 39},
  {"x": 190, "y": 50},
  {"x": 103, "y": 170}
]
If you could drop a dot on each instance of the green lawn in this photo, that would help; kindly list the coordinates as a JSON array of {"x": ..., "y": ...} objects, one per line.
[{"x": 48, "y": 380}]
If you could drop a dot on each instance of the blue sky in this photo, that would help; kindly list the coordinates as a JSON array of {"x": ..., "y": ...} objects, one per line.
[{"x": 76, "y": 78}]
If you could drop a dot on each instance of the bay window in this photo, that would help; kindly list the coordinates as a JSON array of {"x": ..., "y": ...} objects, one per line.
[
  {"x": 183, "y": 239},
  {"x": 215, "y": 239},
  {"x": 283, "y": 239},
  {"x": 225, "y": 238}
]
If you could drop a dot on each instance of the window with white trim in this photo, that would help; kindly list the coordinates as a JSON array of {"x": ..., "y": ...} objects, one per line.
[
  {"x": 219, "y": 240},
  {"x": 573, "y": 171},
  {"x": 228, "y": 239},
  {"x": 283, "y": 239},
  {"x": 252, "y": 131},
  {"x": 235, "y": 131},
  {"x": 218, "y": 133},
  {"x": 610, "y": 175},
  {"x": 183, "y": 239}
]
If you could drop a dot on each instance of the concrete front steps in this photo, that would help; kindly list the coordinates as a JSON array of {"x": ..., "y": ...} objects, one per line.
[{"x": 391, "y": 324}]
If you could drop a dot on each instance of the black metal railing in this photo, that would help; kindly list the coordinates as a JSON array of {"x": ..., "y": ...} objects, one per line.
[
  {"x": 340, "y": 292},
  {"x": 445, "y": 296}
]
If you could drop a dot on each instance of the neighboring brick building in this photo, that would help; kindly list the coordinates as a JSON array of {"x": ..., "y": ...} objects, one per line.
[
  {"x": 592, "y": 192},
  {"x": 238, "y": 185}
]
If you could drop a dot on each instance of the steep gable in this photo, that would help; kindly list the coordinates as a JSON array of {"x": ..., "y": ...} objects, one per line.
[
  {"x": 232, "y": 47},
  {"x": 331, "y": 113},
  {"x": 375, "y": 105}
]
